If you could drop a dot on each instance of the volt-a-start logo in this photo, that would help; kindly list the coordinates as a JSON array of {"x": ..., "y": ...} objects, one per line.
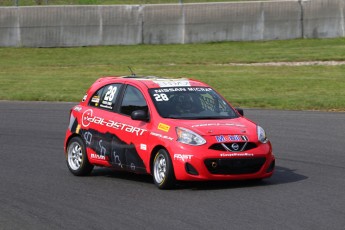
[{"x": 86, "y": 117}]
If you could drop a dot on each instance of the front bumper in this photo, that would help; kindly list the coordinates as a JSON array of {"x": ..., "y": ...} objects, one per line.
[{"x": 196, "y": 163}]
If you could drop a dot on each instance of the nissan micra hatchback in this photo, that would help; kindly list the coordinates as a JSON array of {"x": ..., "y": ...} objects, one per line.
[{"x": 174, "y": 129}]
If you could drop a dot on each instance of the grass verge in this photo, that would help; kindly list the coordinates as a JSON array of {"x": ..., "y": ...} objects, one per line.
[{"x": 64, "y": 74}]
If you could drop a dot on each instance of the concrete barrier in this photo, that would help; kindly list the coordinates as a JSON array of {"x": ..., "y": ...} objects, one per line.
[
  {"x": 193, "y": 23},
  {"x": 163, "y": 24},
  {"x": 243, "y": 21},
  {"x": 9, "y": 27},
  {"x": 64, "y": 26},
  {"x": 121, "y": 25},
  {"x": 59, "y": 26},
  {"x": 323, "y": 18}
]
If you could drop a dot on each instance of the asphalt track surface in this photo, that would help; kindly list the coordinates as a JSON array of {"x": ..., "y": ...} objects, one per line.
[{"x": 37, "y": 191}]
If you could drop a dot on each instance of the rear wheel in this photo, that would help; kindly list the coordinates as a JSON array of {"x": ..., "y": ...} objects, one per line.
[
  {"x": 163, "y": 172},
  {"x": 77, "y": 160}
]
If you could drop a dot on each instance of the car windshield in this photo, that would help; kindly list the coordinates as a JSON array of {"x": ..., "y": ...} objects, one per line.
[{"x": 191, "y": 103}]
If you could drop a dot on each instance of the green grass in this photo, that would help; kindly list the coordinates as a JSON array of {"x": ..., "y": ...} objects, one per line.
[{"x": 64, "y": 74}]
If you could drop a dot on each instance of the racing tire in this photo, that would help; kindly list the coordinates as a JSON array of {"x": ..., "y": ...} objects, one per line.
[
  {"x": 163, "y": 171},
  {"x": 76, "y": 158}
]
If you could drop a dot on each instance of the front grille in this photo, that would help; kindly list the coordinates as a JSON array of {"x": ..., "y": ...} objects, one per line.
[
  {"x": 235, "y": 166},
  {"x": 242, "y": 146}
]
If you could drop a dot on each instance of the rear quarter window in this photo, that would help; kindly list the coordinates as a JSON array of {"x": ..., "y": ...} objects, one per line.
[{"x": 105, "y": 97}]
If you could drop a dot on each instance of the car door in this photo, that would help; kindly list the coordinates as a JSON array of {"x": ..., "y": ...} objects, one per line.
[{"x": 131, "y": 146}]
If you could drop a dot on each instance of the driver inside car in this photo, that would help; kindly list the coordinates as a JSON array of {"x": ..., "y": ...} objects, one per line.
[{"x": 185, "y": 103}]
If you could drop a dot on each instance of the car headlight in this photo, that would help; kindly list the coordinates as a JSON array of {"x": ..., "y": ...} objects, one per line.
[
  {"x": 262, "y": 137},
  {"x": 188, "y": 137}
]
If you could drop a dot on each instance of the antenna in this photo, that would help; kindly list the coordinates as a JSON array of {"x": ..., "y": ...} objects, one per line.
[{"x": 130, "y": 69}]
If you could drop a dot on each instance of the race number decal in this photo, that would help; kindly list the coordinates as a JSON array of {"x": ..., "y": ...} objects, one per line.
[
  {"x": 161, "y": 97},
  {"x": 109, "y": 96}
]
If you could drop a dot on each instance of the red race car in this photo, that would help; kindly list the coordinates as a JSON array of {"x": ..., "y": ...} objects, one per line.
[{"x": 174, "y": 129}]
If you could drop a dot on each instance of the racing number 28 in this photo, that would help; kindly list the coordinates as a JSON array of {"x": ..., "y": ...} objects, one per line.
[
  {"x": 109, "y": 96},
  {"x": 161, "y": 97}
]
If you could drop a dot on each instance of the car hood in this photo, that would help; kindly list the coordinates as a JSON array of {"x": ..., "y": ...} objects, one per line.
[{"x": 240, "y": 126}]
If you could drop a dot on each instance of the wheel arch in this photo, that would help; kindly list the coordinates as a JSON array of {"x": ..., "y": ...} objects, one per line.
[
  {"x": 153, "y": 154},
  {"x": 69, "y": 139}
]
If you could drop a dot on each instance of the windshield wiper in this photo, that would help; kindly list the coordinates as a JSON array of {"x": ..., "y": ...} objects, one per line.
[
  {"x": 173, "y": 117},
  {"x": 211, "y": 118},
  {"x": 182, "y": 118}
]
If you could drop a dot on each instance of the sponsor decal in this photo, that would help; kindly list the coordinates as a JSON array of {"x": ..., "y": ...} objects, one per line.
[
  {"x": 161, "y": 136},
  {"x": 167, "y": 90},
  {"x": 88, "y": 137},
  {"x": 109, "y": 147},
  {"x": 77, "y": 108},
  {"x": 185, "y": 89},
  {"x": 236, "y": 155},
  {"x": 116, "y": 159},
  {"x": 98, "y": 157},
  {"x": 171, "y": 83},
  {"x": 88, "y": 118},
  {"x": 199, "y": 89},
  {"x": 108, "y": 105},
  {"x": 229, "y": 138},
  {"x": 103, "y": 150},
  {"x": 182, "y": 157},
  {"x": 163, "y": 127},
  {"x": 143, "y": 147},
  {"x": 95, "y": 99}
]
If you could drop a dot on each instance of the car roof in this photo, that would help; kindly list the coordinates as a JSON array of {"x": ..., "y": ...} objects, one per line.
[{"x": 153, "y": 81}]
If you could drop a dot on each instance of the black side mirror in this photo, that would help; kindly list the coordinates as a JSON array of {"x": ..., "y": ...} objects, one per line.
[
  {"x": 139, "y": 115},
  {"x": 240, "y": 111}
]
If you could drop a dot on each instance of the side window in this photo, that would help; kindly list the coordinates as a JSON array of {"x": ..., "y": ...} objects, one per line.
[
  {"x": 105, "y": 97},
  {"x": 95, "y": 99},
  {"x": 133, "y": 100}
]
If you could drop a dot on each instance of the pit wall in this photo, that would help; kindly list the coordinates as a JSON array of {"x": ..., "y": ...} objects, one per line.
[{"x": 65, "y": 26}]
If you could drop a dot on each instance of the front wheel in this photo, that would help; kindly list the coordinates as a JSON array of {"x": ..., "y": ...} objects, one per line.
[
  {"x": 77, "y": 160},
  {"x": 163, "y": 172}
]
